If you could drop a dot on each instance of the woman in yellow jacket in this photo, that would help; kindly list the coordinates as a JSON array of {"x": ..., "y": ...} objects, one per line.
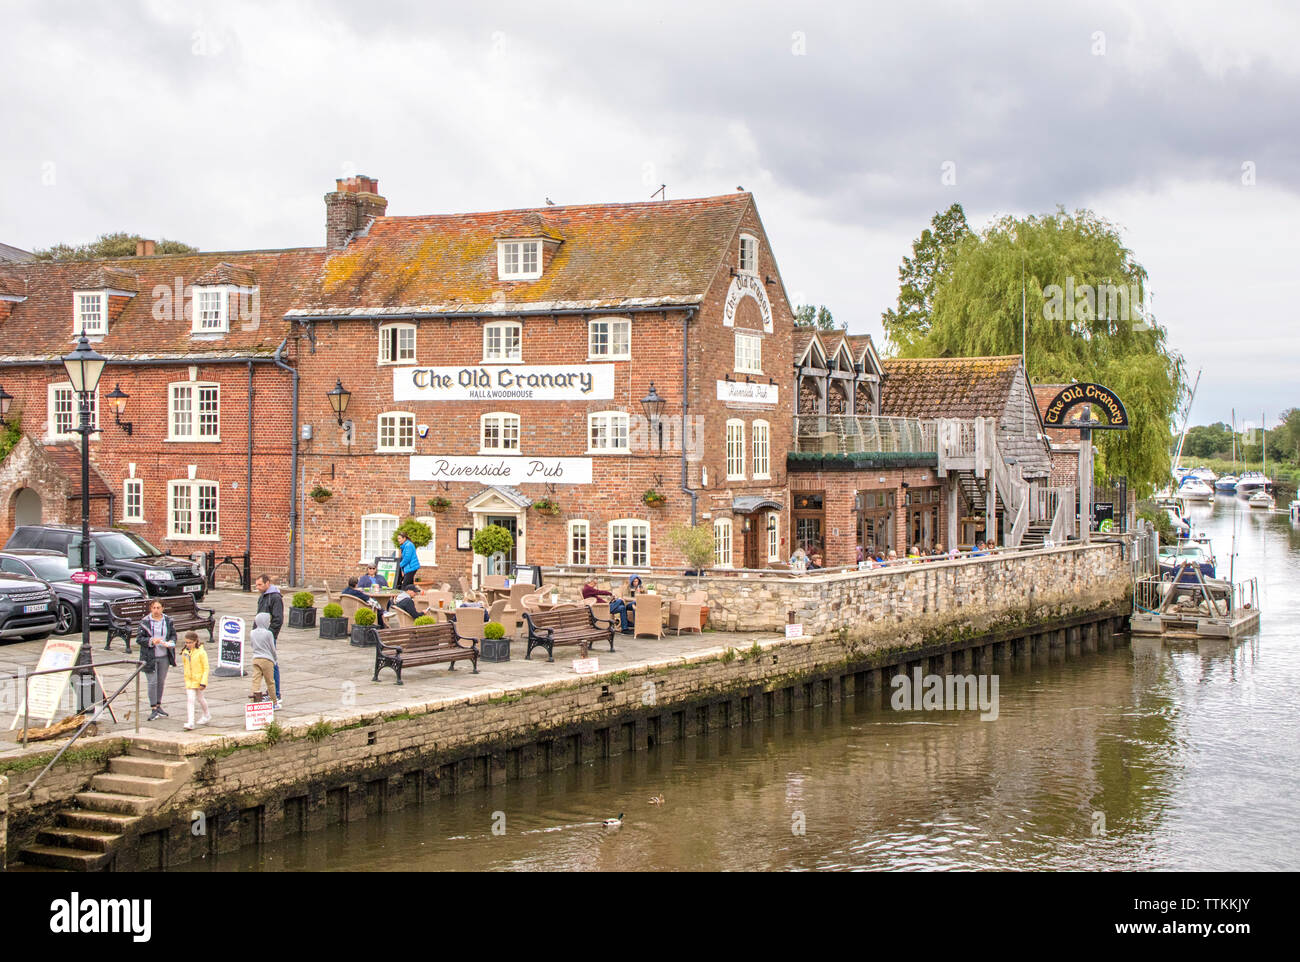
[{"x": 195, "y": 660}]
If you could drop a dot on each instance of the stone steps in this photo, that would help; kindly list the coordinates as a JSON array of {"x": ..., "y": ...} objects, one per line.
[
  {"x": 85, "y": 839},
  {"x": 114, "y": 822},
  {"x": 69, "y": 859},
  {"x": 147, "y": 767},
  {"x": 114, "y": 802},
  {"x": 132, "y": 785}
]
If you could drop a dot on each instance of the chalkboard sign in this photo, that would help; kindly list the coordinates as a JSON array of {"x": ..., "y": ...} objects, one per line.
[
  {"x": 230, "y": 645},
  {"x": 386, "y": 565}
]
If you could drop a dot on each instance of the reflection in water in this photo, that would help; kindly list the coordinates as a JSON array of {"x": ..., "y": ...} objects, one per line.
[{"x": 1146, "y": 757}]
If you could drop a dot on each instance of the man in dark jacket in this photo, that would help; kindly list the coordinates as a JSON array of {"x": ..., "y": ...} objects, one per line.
[
  {"x": 156, "y": 638},
  {"x": 272, "y": 602},
  {"x": 406, "y": 601}
]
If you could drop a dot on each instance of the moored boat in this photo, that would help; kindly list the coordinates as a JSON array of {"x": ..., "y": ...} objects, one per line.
[
  {"x": 1205, "y": 474},
  {"x": 1294, "y": 510},
  {"x": 1261, "y": 499},
  {"x": 1194, "y": 489},
  {"x": 1253, "y": 481},
  {"x": 1226, "y": 484}
]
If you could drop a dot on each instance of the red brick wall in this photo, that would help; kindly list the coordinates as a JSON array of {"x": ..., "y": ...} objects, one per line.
[{"x": 158, "y": 460}]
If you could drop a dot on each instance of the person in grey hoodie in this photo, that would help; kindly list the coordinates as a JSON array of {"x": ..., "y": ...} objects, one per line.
[
  {"x": 272, "y": 602},
  {"x": 263, "y": 644}
]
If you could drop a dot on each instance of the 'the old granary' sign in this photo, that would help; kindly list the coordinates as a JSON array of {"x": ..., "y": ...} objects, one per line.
[
  {"x": 1101, "y": 398},
  {"x": 503, "y": 382}
]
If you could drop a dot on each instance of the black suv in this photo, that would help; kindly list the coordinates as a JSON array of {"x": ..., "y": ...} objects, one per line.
[
  {"x": 120, "y": 555},
  {"x": 27, "y": 608}
]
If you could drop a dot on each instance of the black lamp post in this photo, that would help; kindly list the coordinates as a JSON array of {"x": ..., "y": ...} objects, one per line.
[
  {"x": 84, "y": 366},
  {"x": 118, "y": 398},
  {"x": 653, "y": 405},
  {"x": 339, "y": 397},
  {"x": 6, "y": 399}
]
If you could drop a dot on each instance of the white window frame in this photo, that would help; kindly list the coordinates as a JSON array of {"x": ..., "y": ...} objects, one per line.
[
  {"x": 608, "y": 422},
  {"x": 761, "y": 448},
  {"x": 610, "y": 326},
  {"x": 194, "y": 423},
  {"x": 502, "y": 420},
  {"x": 734, "y": 448},
  {"x": 428, "y": 555},
  {"x": 79, "y": 314},
  {"x": 722, "y": 543},
  {"x": 398, "y": 418},
  {"x": 194, "y": 523},
  {"x": 132, "y": 487},
  {"x": 749, "y": 353},
  {"x": 503, "y": 355},
  {"x": 513, "y": 257},
  {"x": 773, "y": 527},
  {"x": 632, "y": 525},
  {"x": 385, "y": 543},
  {"x": 752, "y": 266},
  {"x": 52, "y": 415},
  {"x": 221, "y": 324},
  {"x": 385, "y": 330},
  {"x": 575, "y": 526}
]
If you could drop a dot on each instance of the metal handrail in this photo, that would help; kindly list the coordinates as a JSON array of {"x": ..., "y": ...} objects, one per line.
[
  {"x": 99, "y": 710},
  {"x": 74, "y": 669}
]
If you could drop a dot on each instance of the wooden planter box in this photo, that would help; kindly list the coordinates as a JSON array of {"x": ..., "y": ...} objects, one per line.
[
  {"x": 334, "y": 627},
  {"x": 302, "y": 617}
]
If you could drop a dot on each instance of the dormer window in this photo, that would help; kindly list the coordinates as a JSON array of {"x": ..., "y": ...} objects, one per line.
[
  {"x": 748, "y": 254},
  {"x": 519, "y": 260},
  {"x": 211, "y": 310},
  {"x": 91, "y": 313}
]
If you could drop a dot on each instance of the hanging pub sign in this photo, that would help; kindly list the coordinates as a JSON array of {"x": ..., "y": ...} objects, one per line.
[
  {"x": 1101, "y": 398},
  {"x": 747, "y": 392},
  {"x": 504, "y": 382}
]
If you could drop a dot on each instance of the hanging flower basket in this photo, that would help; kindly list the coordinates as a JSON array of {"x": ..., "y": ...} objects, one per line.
[
  {"x": 653, "y": 498},
  {"x": 320, "y": 494},
  {"x": 439, "y": 504},
  {"x": 546, "y": 506}
]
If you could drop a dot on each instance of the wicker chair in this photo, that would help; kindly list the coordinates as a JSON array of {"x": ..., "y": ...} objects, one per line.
[
  {"x": 506, "y": 616},
  {"x": 469, "y": 621},
  {"x": 649, "y": 616}
]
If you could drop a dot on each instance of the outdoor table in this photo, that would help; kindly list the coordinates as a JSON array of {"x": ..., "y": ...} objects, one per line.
[{"x": 496, "y": 594}]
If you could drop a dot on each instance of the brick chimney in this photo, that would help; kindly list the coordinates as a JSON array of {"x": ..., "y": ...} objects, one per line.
[
  {"x": 350, "y": 207},
  {"x": 144, "y": 248}
]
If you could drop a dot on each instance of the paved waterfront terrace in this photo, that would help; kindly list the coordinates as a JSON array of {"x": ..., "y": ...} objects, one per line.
[{"x": 331, "y": 679}]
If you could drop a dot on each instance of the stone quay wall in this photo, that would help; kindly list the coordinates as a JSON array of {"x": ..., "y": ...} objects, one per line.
[
  {"x": 246, "y": 790},
  {"x": 906, "y": 599}
]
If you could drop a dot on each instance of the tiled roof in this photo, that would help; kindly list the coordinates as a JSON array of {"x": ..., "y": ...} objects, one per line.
[
  {"x": 947, "y": 387},
  {"x": 42, "y": 326},
  {"x": 803, "y": 336},
  {"x": 66, "y": 457},
  {"x": 109, "y": 276},
  {"x": 11, "y": 284},
  {"x": 224, "y": 273},
  {"x": 612, "y": 255}
]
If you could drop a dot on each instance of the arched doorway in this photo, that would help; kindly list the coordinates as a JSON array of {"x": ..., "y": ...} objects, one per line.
[{"x": 27, "y": 507}]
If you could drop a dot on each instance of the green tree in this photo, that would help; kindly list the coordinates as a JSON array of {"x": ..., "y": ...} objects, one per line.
[
  {"x": 819, "y": 317},
  {"x": 1208, "y": 441},
  {"x": 977, "y": 311},
  {"x": 117, "y": 244},
  {"x": 918, "y": 275},
  {"x": 695, "y": 544}
]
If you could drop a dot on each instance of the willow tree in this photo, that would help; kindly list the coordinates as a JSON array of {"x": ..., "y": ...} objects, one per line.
[{"x": 1085, "y": 320}]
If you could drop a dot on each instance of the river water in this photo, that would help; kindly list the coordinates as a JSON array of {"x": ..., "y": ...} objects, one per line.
[{"x": 1147, "y": 757}]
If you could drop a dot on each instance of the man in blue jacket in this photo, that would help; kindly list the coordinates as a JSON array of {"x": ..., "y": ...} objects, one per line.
[{"x": 408, "y": 564}]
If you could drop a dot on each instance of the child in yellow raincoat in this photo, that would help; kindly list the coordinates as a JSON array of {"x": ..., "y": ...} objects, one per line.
[{"x": 195, "y": 660}]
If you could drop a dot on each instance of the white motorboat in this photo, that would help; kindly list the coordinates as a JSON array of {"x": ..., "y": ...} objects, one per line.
[
  {"x": 1261, "y": 499},
  {"x": 1194, "y": 489},
  {"x": 1227, "y": 484},
  {"x": 1253, "y": 481},
  {"x": 1205, "y": 474}
]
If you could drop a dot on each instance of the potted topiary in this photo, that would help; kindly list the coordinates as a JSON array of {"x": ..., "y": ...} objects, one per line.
[
  {"x": 495, "y": 646},
  {"x": 320, "y": 494},
  {"x": 302, "y": 614},
  {"x": 438, "y": 504},
  {"x": 492, "y": 539},
  {"x": 332, "y": 622},
  {"x": 363, "y": 627},
  {"x": 425, "y": 620}
]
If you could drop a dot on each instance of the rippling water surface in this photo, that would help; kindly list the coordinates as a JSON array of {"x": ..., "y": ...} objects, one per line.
[{"x": 1147, "y": 757}]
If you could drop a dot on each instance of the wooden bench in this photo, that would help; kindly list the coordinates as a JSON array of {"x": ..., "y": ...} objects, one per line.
[
  {"x": 567, "y": 625},
  {"x": 124, "y": 617},
  {"x": 400, "y": 648}
]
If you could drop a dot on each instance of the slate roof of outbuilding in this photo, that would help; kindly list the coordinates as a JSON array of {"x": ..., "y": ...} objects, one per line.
[
  {"x": 646, "y": 254},
  {"x": 66, "y": 458},
  {"x": 947, "y": 387}
]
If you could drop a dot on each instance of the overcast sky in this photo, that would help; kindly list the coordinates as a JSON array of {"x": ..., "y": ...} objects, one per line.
[{"x": 223, "y": 124}]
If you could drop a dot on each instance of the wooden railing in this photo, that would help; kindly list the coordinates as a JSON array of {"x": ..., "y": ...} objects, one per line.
[{"x": 854, "y": 434}]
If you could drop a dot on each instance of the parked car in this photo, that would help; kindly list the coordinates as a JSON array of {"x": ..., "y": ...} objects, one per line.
[
  {"x": 121, "y": 556},
  {"x": 52, "y": 568},
  {"x": 26, "y": 608}
]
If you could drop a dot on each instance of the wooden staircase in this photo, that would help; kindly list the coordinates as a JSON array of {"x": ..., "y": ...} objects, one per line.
[{"x": 86, "y": 838}]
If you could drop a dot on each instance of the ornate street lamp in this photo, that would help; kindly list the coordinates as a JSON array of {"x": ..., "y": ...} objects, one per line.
[
  {"x": 6, "y": 399},
  {"x": 118, "y": 398},
  {"x": 84, "y": 366},
  {"x": 339, "y": 398},
  {"x": 653, "y": 405}
]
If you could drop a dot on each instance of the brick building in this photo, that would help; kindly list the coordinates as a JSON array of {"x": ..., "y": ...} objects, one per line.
[{"x": 494, "y": 360}]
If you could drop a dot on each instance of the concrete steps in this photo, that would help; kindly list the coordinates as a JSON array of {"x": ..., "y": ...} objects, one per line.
[
  {"x": 147, "y": 767},
  {"x": 69, "y": 859},
  {"x": 141, "y": 785},
  {"x": 85, "y": 839},
  {"x": 114, "y": 802},
  {"x": 115, "y": 823}
]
